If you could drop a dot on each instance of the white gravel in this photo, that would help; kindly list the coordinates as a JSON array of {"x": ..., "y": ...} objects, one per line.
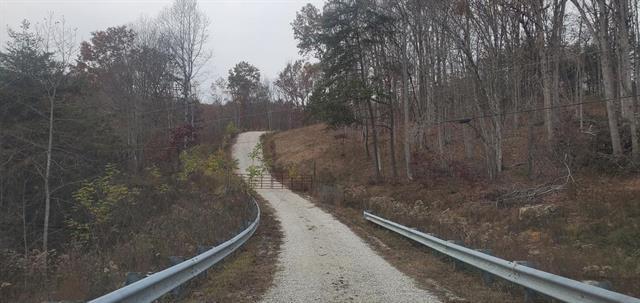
[{"x": 322, "y": 260}]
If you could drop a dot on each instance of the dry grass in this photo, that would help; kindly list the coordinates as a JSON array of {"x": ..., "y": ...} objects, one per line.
[
  {"x": 429, "y": 269},
  {"x": 591, "y": 234},
  {"x": 247, "y": 274},
  {"x": 83, "y": 274}
]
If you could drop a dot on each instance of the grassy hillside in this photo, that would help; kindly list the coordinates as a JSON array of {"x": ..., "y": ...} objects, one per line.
[{"x": 581, "y": 223}]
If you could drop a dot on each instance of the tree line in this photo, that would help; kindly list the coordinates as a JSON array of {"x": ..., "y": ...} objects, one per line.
[
  {"x": 429, "y": 72},
  {"x": 69, "y": 109},
  {"x": 124, "y": 103}
]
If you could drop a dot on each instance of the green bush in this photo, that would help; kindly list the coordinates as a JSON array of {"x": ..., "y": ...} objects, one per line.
[{"x": 103, "y": 204}]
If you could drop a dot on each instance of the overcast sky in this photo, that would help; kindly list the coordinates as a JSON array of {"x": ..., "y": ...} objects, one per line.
[{"x": 257, "y": 31}]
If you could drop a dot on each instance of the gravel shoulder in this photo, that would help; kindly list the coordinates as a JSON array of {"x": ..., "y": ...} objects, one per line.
[{"x": 321, "y": 259}]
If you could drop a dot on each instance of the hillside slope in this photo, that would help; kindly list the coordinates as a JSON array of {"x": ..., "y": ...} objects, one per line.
[{"x": 586, "y": 230}]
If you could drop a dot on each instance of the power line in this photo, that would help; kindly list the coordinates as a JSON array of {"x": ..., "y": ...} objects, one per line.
[
  {"x": 533, "y": 62},
  {"x": 466, "y": 119},
  {"x": 470, "y": 118}
]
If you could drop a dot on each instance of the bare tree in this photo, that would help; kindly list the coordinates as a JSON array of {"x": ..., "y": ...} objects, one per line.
[
  {"x": 186, "y": 31},
  {"x": 295, "y": 81},
  {"x": 405, "y": 112},
  {"x": 440, "y": 62},
  {"x": 623, "y": 23},
  {"x": 548, "y": 39},
  {"x": 596, "y": 19},
  {"x": 59, "y": 41}
]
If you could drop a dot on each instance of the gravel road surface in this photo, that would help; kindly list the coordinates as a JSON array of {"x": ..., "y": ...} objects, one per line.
[{"x": 322, "y": 260}]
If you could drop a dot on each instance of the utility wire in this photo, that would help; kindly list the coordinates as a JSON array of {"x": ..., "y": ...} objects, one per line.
[
  {"x": 463, "y": 119},
  {"x": 467, "y": 119}
]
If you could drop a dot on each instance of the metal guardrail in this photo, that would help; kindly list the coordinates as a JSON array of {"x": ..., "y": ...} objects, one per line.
[
  {"x": 554, "y": 286},
  {"x": 160, "y": 283}
]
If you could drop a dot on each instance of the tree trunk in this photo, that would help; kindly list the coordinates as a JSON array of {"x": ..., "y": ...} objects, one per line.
[
  {"x": 580, "y": 93},
  {"x": 516, "y": 96},
  {"x": 365, "y": 137},
  {"x": 636, "y": 41},
  {"x": 1, "y": 185},
  {"x": 600, "y": 31},
  {"x": 392, "y": 145},
  {"x": 546, "y": 82},
  {"x": 192, "y": 109},
  {"x": 530, "y": 146},
  {"x": 405, "y": 114},
  {"x": 24, "y": 228},
  {"x": 47, "y": 177},
  {"x": 624, "y": 68},
  {"x": 579, "y": 80},
  {"x": 169, "y": 117},
  {"x": 549, "y": 60},
  {"x": 185, "y": 96},
  {"x": 466, "y": 139},
  {"x": 440, "y": 139},
  {"x": 498, "y": 143},
  {"x": 374, "y": 137},
  {"x": 608, "y": 80},
  {"x": 24, "y": 220},
  {"x": 392, "y": 149}
]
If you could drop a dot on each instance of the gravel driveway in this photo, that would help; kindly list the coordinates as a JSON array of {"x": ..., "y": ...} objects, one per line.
[{"x": 322, "y": 260}]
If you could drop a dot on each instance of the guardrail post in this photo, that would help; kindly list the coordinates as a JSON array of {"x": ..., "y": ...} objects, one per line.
[
  {"x": 487, "y": 278},
  {"x": 175, "y": 260},
  {"x": 529, "y": 294},
  {"x": 436, "y": 253},
  {"x": 132, "y": 277},
  {"x": 199, "y": 250},
  {"x": 602, "y": 284},
  {"x": 457, "y": 265}
]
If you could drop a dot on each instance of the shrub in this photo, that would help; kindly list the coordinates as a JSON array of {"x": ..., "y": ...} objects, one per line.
[{"x": 102, "y": 205}]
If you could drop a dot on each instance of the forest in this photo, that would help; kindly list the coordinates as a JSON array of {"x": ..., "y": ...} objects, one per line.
[
  {"x": 479, "y": 70},
  {"x": 505, "y": 125},
  {"x": 106, "y": 143}
]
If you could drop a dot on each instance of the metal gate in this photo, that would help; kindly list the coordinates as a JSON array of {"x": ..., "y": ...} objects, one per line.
[{"x": 279, "y": 181}]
